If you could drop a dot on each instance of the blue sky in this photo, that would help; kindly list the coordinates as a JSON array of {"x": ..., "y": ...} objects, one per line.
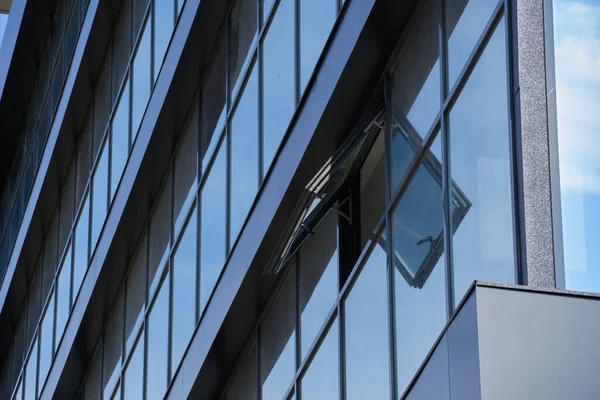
[{"x": 577, "y": 53}]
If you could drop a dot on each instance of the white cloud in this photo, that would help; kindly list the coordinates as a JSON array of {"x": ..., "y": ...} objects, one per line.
[{"x": 577, "y": 52}]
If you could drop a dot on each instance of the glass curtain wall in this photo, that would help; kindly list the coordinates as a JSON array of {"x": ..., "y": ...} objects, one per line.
[
  {"x": 446, "y": 218},
  {"x": 53, "y": 68},
  {"x": 102, "y": 152},
  {"x": 573, "y": 37},
  {"x": 219, "y": 158}
]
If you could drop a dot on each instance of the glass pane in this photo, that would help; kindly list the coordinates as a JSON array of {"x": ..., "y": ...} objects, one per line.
[
  {"x": 139, "y": 11},
  {"x": 34, "y": 306},
  {"x": 101, "y": 110},
  {"x": 113, "y": 344},
  {"x": 213, "y": 220},
  {"x": 241, "y": 37},
  {"x": 100, "y": 196},
  {"x": 184, "y": 290},
  {"x": 278, "y": 333},
  {"x": 372, "y": 190},
  {"x": 121, "y": 49},
  {"x": 66, "y": 213},
  {"x": 84, "y": 163},
  {"x": 465, "y": 21},
  {"x": 576, "y": 53},
  {"x": 322, "y": 379},
  {"x": 160, "y": 230},
  {"x": 267, "y": 4},
  {"x": 141, "y": 80},
  {"x": 366, "y": 329},
  {"x": 135, "y": 292},
  {"x": 31, "y": 374},
  {"x": 279, "y": 79},
  {"x": 212, "y": 107},
  {"x": 244, "y": 155},
  {"x": 316, "y": 20},
  {"x": 80, "y": 255},
  {"x": 50, "y": 260},
  {"x": 134, "y": 373},
  {"x": 318, "y": 267},
  {"x": 120, "y": 140},
  {"x": 63, "y": 298},
  {"x": 92, "y": 383},
  {"x": 244, "y": 386},
  {"x": 158, "y": 345},
  {"x": 480, "y": 164},
  {"x": 185, "y": 171},
  {"x": 415, "y": 91},
  {"x": 46, "y": 342},
  {"x": 164, "y": 20},
  {"x": 419, "y": 273}
]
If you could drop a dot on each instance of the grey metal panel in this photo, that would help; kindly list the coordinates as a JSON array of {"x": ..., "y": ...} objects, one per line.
[
  {"x": 434, "y": 380},
  {"x": 518, "y": 345},
  {"x": 578, "y": 324},
  {"x": 463, "y": 353},
  {"x": 534, "y": 194}
]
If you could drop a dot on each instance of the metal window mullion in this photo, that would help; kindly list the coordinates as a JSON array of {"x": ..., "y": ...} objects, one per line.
[
  {"x": 518, "y": 225},
  {"x": 298, "y": 332},
  {"x": 446, "y": 175},
  {"x": 390, "y": 204}
]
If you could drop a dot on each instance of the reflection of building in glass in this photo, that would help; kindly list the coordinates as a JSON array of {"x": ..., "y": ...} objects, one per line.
[{"x": 292, "y": 199}]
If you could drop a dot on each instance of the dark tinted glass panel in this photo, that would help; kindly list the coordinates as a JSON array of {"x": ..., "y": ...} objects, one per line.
[
  {"x": 185, "y": 171},
  {"x": 213, "y": 236},
  {"x": 63, "y": 298},
  {"x": 121, "y": 50},
  {"x": 184, "y": 290},
  {"x": 321, "y": 380},
  {"x": 34, "y": 305},
  {"x": 80, "y": 255},
  {"x": 134, "y": 373},
  {"x": 113, "y": 342},
  {"x": 46, "y": 342},
  {"x": 164, "y": 19},
  {"x": 141, "y": 79},
  {"x": 481, "y": 172},
  {"x": 372, "y": 190},
  {"x": 279, "y": 82},
  {"x": 316, "y": 20},
  {"x": 366, "y": 331},
  {"x": 158, "y": 349},
  {"x": 465, "y": 21},
  {"x": 84, "y": 161},
  {"x": 102, "y": 107},
  {"x": 92, "y": 383},
  {"x": 419, "y": 273},
  {"x": 415, "y": 91},
  {"x": 318, "y": 268},
  {"x": 244, "y": 386},
  {"x": 278, "y": 333},
  {"x": 212, "y": 106},
  {"x": 139, "y": 11},
  {"x": 50, "y": 260},
  {"x": 30, "y": 387},
  {"x": 66, "y": 213},
  {"x": 136, "y": 292},
  {"x": 241, "y": 37},
  {"x": 100, "y": 199},
  {"x": 244, "y": 155},
  {"x": 160, "y": 229},
  {"x": 120, "y": 140}
]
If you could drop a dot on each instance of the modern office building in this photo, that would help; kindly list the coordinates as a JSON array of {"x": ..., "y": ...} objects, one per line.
[{"x": 300, "y": 199}]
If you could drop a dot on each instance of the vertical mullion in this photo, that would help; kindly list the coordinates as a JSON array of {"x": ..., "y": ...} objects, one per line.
[
  {"x": 170, "y": 272},
  {"x": 389, "y": 250},
  {"x": 518, "y": 229},
  {"x": 446, "y": 175},
  {"x": 197, "y": 181},
  {"x": 298, "y": 352},
  {"x": 260, "y": 65},
  {"x": 145, "y": 324},
  {"x": 297, "y": 50}
]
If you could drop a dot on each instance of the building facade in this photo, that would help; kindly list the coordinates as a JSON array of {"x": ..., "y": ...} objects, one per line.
[{"x": 298, "y": 199}]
